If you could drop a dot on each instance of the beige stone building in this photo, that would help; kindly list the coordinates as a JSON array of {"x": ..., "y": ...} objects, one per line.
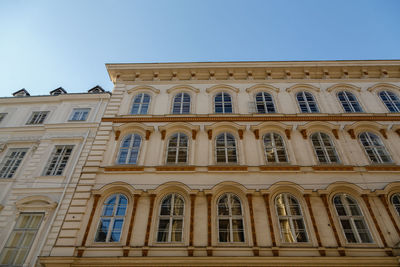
[
  {"x": 44, "y": 141},
  {"x": 243, "y": 163}
]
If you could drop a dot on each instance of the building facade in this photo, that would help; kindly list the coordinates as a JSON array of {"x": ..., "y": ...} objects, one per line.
[
  {"x": 44, "y": 141},
  {"x": 248, "y": 163}
]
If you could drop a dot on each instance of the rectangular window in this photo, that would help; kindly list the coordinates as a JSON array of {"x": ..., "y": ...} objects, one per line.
[
  {"x": 79, "y": 114},
  {"x": 2, "y": 115},
  {"x": 58, "y": 160},
  {"x": 20, "y": 241},
  {"x": 37, "y": 117},
  {"x": 11, "y": 162}
]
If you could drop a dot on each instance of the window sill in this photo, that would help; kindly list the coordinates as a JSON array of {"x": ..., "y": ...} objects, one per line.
[
  {"x": 332, "y": 167},
  {"x": 175, "y": 168},
  {"x": 227, "y": 168},
  {"x": 278, "y": 167}
]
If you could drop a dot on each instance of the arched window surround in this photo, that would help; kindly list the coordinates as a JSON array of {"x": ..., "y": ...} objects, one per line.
[
  {"x": 141, "y": 100},
  {"x": 130, "y": 94},
  {"x": 268, "y": 106},
  {"x": 183, "y": 103},
  {"x": 309, "y": 107},
  {"x": 226, "y": 105},
  {"x": 221, "y": 88}
]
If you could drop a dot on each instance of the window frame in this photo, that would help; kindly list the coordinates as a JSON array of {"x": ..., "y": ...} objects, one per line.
[
  {"x": 40, "y": 119},
  {"x": 374, "y": 148},
  {"x": 349, "y": 103},
  {"x": 324, "y": 148},
  {"x": 290, "y": 218},
  {"x": 230, "y": 217},
  {"x": 223, "y": 102},
  {"x": 273, "y": 142},
  {"x": 396, "y": 207},
  {"x": 177, "y": 148},
  {"x": 226, "y": 149},
  {"x": 392, "y": 102},
  {"x": 58, "y": 160},
  {"x": 264, "y": 102},
  {"x": 351, "y": 219},
  {"x": 304, "y": 94},
  {"x": 6, "y": 158},
  {"x": 130, "y": 148},
  {"x": 24, "y": 232},
  {"x": 112, "y": 218},
  {"x": 83, "y": 110},
  {"x": 141, "y": 103},
  {"x": 181, "y": 103},
  {"x": 171, "y": 218}
]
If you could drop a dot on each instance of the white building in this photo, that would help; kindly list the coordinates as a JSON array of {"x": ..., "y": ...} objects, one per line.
[{"x": 44, "y": 142}]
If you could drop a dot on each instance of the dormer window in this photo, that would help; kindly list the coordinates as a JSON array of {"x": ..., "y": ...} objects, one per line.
[
  {"x": 21, "y": 92},
  {"x": 58, "y": 91},
  {"x": 96, "y": 90}
]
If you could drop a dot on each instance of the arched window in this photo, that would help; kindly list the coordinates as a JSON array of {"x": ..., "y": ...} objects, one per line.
[
  {"x": 129, "y": 149},
  {"x": 223, "y": 103},
  {"x": 351, "y": 219},
  {"x": 112, "y": 219},
  {"x": 177, "y": 150},
  {"x": 349, "y": 102},
  {"x": 265, "y": 103},
  {"x": 291, "y": 222},
  {"x": 230, "y": 219},
  {"x": 391, "y": 101},
  {"x": 324, "y": 148},
  {"x": 374, "y": 148},
  {"x": 396, "y": 202},
  {"x": 181, "y": 104},
  {"x": 170, "y": 223},
  {"x": 225, "y": 148},
  {"x": 140, "y": 104},
  {"x": 275, "y": 151},
  {"x": 307, "y": 102}
]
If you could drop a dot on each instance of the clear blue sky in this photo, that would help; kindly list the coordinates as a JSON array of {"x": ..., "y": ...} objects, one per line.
[{"x": 47, "y": 44}]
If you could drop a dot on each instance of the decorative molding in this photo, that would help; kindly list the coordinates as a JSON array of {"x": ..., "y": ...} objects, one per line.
[
  {"x": 262, "y": 87},
  {"x": 351, "y": 133},
  {"x": 209, "y": 133},
  {"x": 332, "y": 168},
  {"x": 227, "y": 168},
  {"x": 175, "y": 168},
  {"x": 149, "y": 218},
  {"x": 304, "y": 133},
  {"x": 209, "y": 225},
  {"x": 194, "y": 134},
  {"x": 182, "y": 88},
  {"x": 332, "y": 223},
  {"x": 253, "y": 227},
  {"x": 303, "y": 86},
  {"x": 117, "y": 134},
  {"x": 256, "y": 133},
  {"x": 123, "y": 168},
  {"x": 279, "y": 168},
  {"x": 252, "y": 118},
  {"x": 240, "y": 132},
  {"x": 382, "y": 168},
  {"x": 383, "y": 133},
  {"x": 191, "y": 234},
  {"x": 314, "y": 224},
  {"x": 163, "y": 133},
  {"x": 222, "y": 87},
  {"x": 270, "y": 224},
  {"x": 343, "y": 86},
  {"x": 144, "y": 88},
  {"x": 385, "y": 204},
  {"x": 335, "y": 133},
  {"x": 383, "y": 86},
  {"x": 94, "y": 207},
  {"x": 287, "y": 132},
  {"x": 131, "y": 223}
]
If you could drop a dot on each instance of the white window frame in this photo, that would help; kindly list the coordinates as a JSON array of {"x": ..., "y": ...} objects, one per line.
[
  {"x": 322, "y": 147},
  {"x": 57, "y": 159},
  {"x": 223, "y": 103},
  {"x": 306, "y": 102},
  {"x": 375, "y": 149},
  {"x": 82, "y": 114},
  {"x": 226, "y": 148},
  {"x": 171, "y": 217},
  {"x": 11, "y": 162},
  {"x": 25, "y": 232},
  {"x": 264, "y": 102},
  {"x": 231, "y": 217},
  {"x": 112, "y": 218},
  {"x": 131, "y": 148},
  {"x": 351, "y": 218},
  {"x": 182, "y": 103},
  {"x": 37, "y": 117},
  {"x": 352, "y": 104},
  {"x": 290, "y": 218},
  {"x": 392, "y": 100},
  {"x": 274, "y": 148},
  {"x": 141, "y": 103},
  {"x": 177, "y": 148}
]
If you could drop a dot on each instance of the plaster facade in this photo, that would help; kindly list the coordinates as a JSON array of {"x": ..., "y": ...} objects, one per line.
[{"x": 241, "y": 206}]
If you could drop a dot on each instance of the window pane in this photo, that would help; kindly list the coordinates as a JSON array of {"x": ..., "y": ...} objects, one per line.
[
  {"x": 102, "y": 230},
  {"x": 224, "y": 230}
]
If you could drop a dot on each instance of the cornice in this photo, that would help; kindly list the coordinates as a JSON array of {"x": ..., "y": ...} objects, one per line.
[
  {"x": 53, "y": 99},
  {"x": 205, "y": 118},
  {"x": 278, "y": 70}
]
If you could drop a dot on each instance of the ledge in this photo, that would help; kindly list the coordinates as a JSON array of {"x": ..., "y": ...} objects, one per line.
[
  {"x": 176, "y": 168},
  {"x": 123, "y": 168},
  {"x": 279, "y": 168},
  {"x": 333, "y": 168},
  {"x": 382, "y": 168},
  {"x": 227, "y": 168}
]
